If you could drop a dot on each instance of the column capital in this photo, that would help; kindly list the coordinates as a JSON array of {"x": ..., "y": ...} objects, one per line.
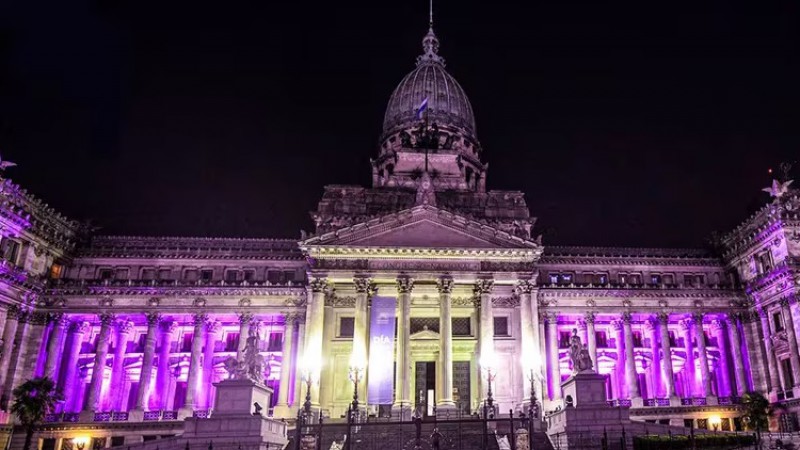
[
  {"x": 589, "y": 317},
  {"x": 294, "y": 317},
  {"x": 153, "y": 318},
  {"x": 580, "y": 324},
  {"x": 650, "y": 324},
  {"x": 79, "y": 327},
  {"x": 213, "y": 326},
  {"x": 698, "y": 317},
  {"x": 169, "y": 326},
  {"x": 616, "y": 324},
  {"x": 199, "y": 319},
  {"x": 13, "y": 312},
  {"x": 717, "y": 326},
  {"x": 245, "y": 317},
  {"x": 38, "y": 318},
  {"x": 318, "y": 284},
  {"x": 686, "y": 325},
  {"x": 364, "y": 285},
  {"x": 124, "y": 326},
  {"x": 405, "y": 284},
  {"x": 445, "y": 284},
  {"x": 550, "y": 317},
  {"x": 525, "y": 286},
  {"x": 663, "y": 317},
  {"x": 483, "y": 286},
  {"x": 107, "y": 319},
  {"x": 784, "y": 302},
  {"x": 733, "y": 317},
  {"x": 626, "y": 317},
  {"x": 56, "y": 318}
]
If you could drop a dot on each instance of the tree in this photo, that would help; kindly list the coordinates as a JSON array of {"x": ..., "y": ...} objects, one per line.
[
  {"x": 758, "y": 410},
  {"x": 34, "y": 399}
]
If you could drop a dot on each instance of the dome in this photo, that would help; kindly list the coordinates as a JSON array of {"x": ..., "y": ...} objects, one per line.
[{"x": 447, "y": 103}]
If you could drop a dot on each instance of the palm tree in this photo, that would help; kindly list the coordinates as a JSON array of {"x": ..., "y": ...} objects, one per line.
[
  {"x": 34, "y": 399},
  {"x": 758, "y": 410}
]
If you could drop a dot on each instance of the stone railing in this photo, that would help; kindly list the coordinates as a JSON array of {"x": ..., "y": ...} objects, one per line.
[
  {"x": 111, "y": 282},
  {"x": 118, "y": 416}
]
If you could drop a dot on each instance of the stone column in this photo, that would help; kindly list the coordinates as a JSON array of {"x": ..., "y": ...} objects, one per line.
[
  {"x": 446, "y": 403},
  {"x": 722, "y": 372},
  {"x": 736, "y": 352},
  {"x": 364, "y": 290},
  {"x": 631, "y": 378},
  {"x": 483, "y": 289},
  {"x": 751, "y": 325},
  {"x": 794, "y": 356},
  {"x": 619, "y": 365},
  {"x": 403, "y": 380},
  {"x": 701, "y": 353},
  {"x": 315, "y": 321},
  {"x": 689, "y": 366},
  {"x": 77, "y": 330},
  {"x": 282, "y": 406},
  {"x": 774, "y": 377},
  {"x": 124, "y": 331},
  {"x": 164, "y": 377},
  {"x": 194, "y": 366},
  {"x": 55, "y": 346},
  {"x": 213, "y": 329},
  {"x": 651, "y": 326},
  {"x": 244, "y": 327},
  {"x": 146, "y": 374},
  {"x": 528, "y": 348},
  {"x": 591, "y": 339},
  {"x": 100, "y": 356},
  {"x": 9, "y": 335},
  {"x": 298, "y": 398},
  {"x": 666, "y": 359},
  {"x": 553, "y": 364}
]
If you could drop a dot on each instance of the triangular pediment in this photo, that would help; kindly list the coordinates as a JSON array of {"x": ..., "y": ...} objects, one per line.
[
  {"x": 424, "y": 334},
  {"x": 422, "y": 227}
]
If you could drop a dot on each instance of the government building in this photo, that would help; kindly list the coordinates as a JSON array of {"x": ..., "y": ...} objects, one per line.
[{"x": 426, "y": 287}]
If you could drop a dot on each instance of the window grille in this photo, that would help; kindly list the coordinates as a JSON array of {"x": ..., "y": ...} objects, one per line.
[
  {"x": 424, "y": 323},
  {"x": 501, "y": 326},
  {"x": 461, "y": 326},
  {"x": 347, "y": 327}
]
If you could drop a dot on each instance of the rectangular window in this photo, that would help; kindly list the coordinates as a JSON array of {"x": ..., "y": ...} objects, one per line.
[
  {"x": 623, "y": 278},
  {"x": 122, "y": 274},
  {"x": 249, "y": 276},
  {"x": 165, "y": 274},
  {"x": 231, "y": 275},
  {"x": 288, "y": 275},
  {"x": 553, "y": 278},
  {"x": 117, "y": 441},
  {"x": 601, "y": 278},
  {"x": 186, "y": 344},
  {"x": 563, "y": 339},
  {"x": 231, "y": 342},
  {"x": 206, "y": 274},
  {"x": 637, "y": 339},
  {"x": 10, "y": 250},
  {"x": 347, "y": 327},
  {"x": 56, "y": 270},
  {"x": 655, "y": 279},
  {"x": 148, "y": 274},
  {"x": 105, "y": 274},
  {"x": 635, "y": 279},
  {"x": 275, "y": 342},
  {"x": 190, "y": 275},
  {"x": 462, "y": 326},
  {"x": 419, "y": 324},
  {"x": 501, "y": 327},
  {"x": 601, "y": 338},
  {"x": 777, "y": 319},
  {"x": 274, "y": 276}
]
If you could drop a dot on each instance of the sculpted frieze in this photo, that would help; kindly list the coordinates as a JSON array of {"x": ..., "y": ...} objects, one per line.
[
  {"x": 463, "y": 301},
  {"x": 340, "y": 302},
  {"x": 444, "y": 266},
  {"x": 505, "y": 302}
]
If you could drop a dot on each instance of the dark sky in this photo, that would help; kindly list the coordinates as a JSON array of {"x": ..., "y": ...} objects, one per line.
[{"x": 625, "y": 123}]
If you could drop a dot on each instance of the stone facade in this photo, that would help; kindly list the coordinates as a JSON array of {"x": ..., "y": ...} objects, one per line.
[{"x": 136, "y": 330}]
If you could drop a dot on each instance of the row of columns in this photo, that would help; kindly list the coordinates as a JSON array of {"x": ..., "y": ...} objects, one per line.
[
  {"x": 662, "y": 373},
  {"x": 365, "y": 288},
  {"x": 205, "y": 332}
]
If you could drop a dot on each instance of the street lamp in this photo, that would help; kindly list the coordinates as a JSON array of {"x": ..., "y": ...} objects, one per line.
[
  {"x": 80, "y": 442},
  {"x": 715, "y": 421},
  {"x": 533, "y": 406},
  {"x": 488, "y": 364},
  {"x": 310, "y": 376},
  {"x": 357, "y": 369}
]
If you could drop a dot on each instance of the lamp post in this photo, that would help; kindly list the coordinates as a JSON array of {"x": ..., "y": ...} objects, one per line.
[
  {"x": 356, "y": 375},
  {"x": 533, "y": 407},
  {"x": 487, "y": 363},
  {"x": 310, "y": 376},
  {"x": 80, "y": 442}
]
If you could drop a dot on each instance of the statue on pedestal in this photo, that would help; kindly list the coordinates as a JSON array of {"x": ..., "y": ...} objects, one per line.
[
  {"x": 251, "y": 366},
  {"x": 579, "y": 354}
]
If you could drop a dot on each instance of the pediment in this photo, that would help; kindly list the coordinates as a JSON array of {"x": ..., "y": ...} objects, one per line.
[
  {"x": 422, "y": 227},
  {"x": 425, "y": 334}
]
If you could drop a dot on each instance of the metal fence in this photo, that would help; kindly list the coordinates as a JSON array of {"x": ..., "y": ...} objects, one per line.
[{"x": 460, "y": 432}]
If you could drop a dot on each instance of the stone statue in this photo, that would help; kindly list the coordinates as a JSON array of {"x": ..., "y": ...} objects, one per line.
[
  {"x": 579, "y": 354},
  {"x": 251, "y": 366}
]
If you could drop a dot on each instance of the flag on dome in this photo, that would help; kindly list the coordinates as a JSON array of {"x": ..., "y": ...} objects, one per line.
[{"x": 422, "y": 107}]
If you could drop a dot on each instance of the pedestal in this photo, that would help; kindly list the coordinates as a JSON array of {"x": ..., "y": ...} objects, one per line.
[
  {"x": 237, "y": 398},
  {"x": 586, "y": 389}
]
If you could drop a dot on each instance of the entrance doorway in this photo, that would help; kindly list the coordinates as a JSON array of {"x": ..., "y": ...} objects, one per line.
[{"x": 425, "y": 387}]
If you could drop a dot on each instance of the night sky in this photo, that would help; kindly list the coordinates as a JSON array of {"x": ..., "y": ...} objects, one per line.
[{"x": 625, "y": 123}]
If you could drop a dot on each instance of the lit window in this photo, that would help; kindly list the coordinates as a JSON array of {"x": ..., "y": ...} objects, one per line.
[{"x": 55, "y": 271}]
